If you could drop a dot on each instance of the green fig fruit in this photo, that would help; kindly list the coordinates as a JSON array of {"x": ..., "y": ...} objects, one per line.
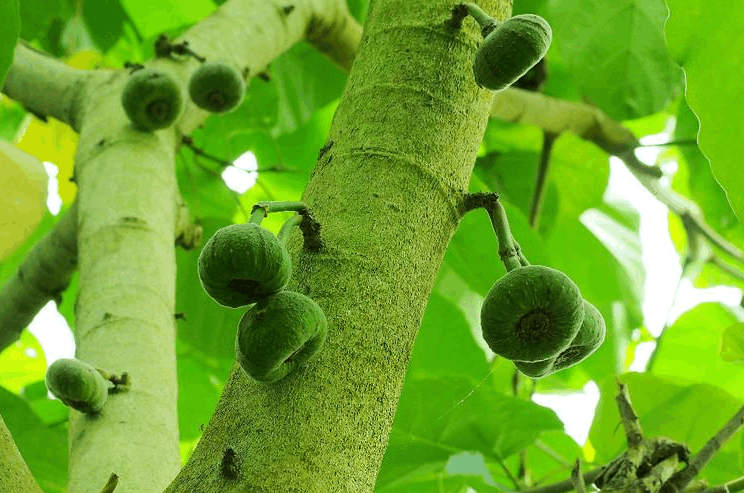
[
  {"x": 216, "y": 87},
  {"x": 78, "y": 385},
  {"x": 587, "y": 340},
  {"x": 510, "y": 50},
  {"x": 243, "y": 263},
  {"x": 151, "y": 99},
  {"x": 531, "y": 314},
  {"x": 279, "y": 334}
]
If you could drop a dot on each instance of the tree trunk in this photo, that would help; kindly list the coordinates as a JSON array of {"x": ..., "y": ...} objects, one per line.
[{"x": 387, "y": 190}]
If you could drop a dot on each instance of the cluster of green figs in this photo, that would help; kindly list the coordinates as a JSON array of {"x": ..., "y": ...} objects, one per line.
[
  {"x": 535, "y": 316},
  {"x": 244, "y": 264}
]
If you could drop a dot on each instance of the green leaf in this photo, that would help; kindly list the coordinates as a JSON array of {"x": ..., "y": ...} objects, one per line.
[
  {"x": 152, "y": 17},
  {"x": 22, "y": 363},
  {"x": 705, "y": 38},
  {"x": 39, "y": 16},
  {"x": 43, "y": 448},
  {"x": 440, "y": 417},
  {"x": 691, "y": 414},
  {"x": 732, "y": 343},
  {"x": 700, "y": 184},
  {"x": 10, "y": 13},
  {"x": 11, "y": 116},
  {"x": 199, "y": 388},
  {"x": 306, "y": 81},
  {"x": 690, "y": 350},
  {"x": 104, "y": 19},
  {"x": 617, "y": 54},
  {"x": 445, "y": 345}
]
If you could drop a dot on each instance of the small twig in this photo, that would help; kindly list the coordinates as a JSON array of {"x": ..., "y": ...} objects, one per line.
[
  {"x": 567, "y": 484},
  {"x": 683, "y": 142},
  {"x": 578, "y": 478},
  {"x": 539, "y": 444},
  {"x": 728, "y": 269},
  {"x": 629, "y": 417},
  {"x": 164, "y": 48},
  {"x": 111, "y": 484},
  {"x": 541, "y": 178},
  {"x": 189, "y": 142},
  {"x": 508, "y": 473},
  {"x": 734, "y": 486},
  {"x": 681, "y": 479}
]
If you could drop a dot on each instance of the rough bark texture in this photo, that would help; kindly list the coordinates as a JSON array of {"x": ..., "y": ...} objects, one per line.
[
  {"x": 15, "y": 476},
  {"x": 386, "y": 191}
]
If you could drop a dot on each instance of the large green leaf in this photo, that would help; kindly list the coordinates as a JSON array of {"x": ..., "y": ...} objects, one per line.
[
  {"x": 700, "y": 184},
  {"x": 43, "y": 448},
  {"x": 705, "y": 38},
  {"x": 690, "y": 350},
  {"x": 445, "y": 344},
  {"x": 617, "y": 54},
  {"x": 688, "y": 413},
  {"x": 441, "y": 417}
]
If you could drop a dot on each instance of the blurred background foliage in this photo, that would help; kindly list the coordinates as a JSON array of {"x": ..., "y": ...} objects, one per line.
[{"x": 462, "y": 423}]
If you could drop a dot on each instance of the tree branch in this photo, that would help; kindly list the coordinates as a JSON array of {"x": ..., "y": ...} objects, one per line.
[
  {"x": 681, "y": 479},
  {"x": 42, "y": 276},
  {"x": 541, "y": 179},
  {"x": 46, "y": 86}
]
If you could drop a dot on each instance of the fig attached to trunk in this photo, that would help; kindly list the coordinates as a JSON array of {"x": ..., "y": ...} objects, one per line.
[
  {"x": 279, "y": 334},
  {"x": 510, "y": 49},
  {"x": 216, "y": 87},
  {"x": 151, "y": 99},
  {"x": 78, "y": 385},
  {"x": 243, "y": 263}
]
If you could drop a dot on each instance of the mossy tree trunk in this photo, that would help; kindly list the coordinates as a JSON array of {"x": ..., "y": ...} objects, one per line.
[{"x": 387, "y": 190}]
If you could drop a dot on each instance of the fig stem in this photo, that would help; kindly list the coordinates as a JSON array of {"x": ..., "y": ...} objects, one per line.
[
  {"x": 485, "y": 21},
  {"x": 286, "y": 228},
  {"x": 257, "y": 215},
  {"x": 269, "y": 207},
  {"x": 508, "y": 250}
]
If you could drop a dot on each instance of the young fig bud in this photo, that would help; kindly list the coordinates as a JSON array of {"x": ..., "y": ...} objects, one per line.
[
  {"x": 510, "y": 50},
  {"x": 151, "y": 99},
  {"x": 216, "y": 87},
  {"x": 279, "y": 334},
  {"x": 78, "y": 385}
]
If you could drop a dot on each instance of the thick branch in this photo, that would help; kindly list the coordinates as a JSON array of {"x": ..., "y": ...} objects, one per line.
[
  {"x": 47, "y": 86},
  {"x": 42, "y": 276},
  {"x": 14, "y": 473}
]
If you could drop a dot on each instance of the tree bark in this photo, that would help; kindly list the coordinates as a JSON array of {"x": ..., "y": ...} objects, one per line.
[{"x": 387, "y": 191}]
